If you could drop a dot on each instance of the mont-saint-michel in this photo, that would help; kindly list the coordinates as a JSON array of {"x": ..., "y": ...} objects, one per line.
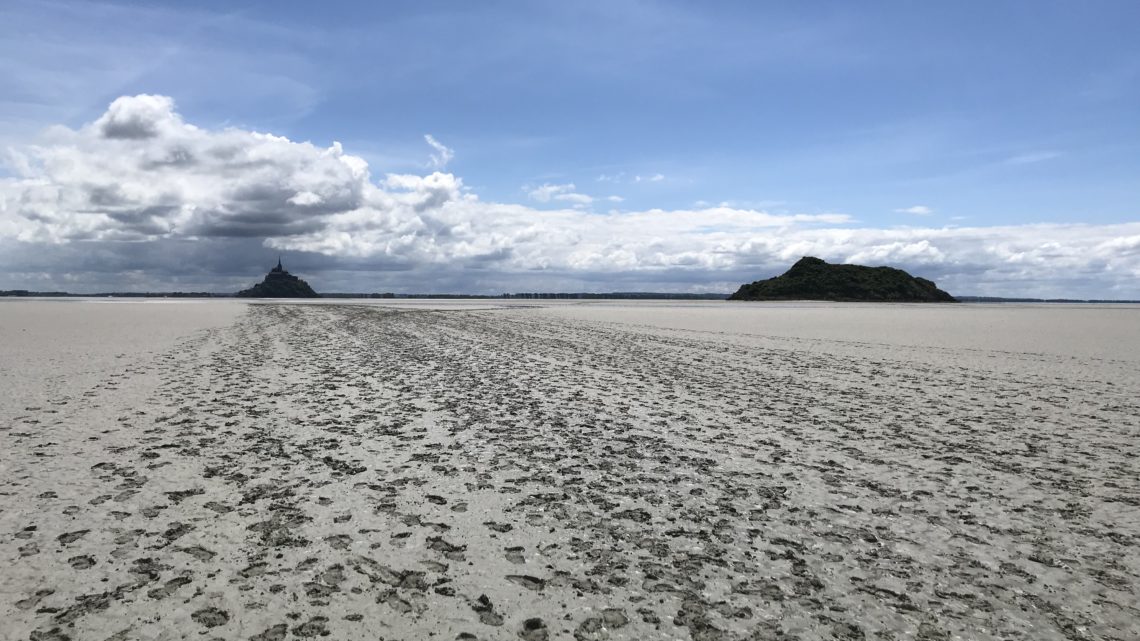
[
  {"x": 279, "y": 283},
  {"x": 569, "y": 321}
]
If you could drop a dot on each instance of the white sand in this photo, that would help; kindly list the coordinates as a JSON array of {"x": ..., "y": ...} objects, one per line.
[
  {"x": 590, "y": 471},
  {"x": 52, "y": 350}
]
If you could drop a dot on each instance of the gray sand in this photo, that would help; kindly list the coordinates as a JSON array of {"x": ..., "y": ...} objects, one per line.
[{"x": 601, "y": 471}]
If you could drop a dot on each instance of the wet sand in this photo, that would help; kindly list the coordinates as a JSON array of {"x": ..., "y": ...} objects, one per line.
[{"x": 560, "y": 471}]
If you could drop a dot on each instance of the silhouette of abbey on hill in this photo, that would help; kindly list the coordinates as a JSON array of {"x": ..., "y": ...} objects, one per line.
[{"x": 279, "y": 283}]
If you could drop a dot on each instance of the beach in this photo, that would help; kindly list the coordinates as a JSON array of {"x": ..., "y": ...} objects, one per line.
[{"x": 565, "y": 470}]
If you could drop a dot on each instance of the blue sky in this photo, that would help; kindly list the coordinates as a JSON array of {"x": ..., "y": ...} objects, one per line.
[{"x": 892, "y": 114}]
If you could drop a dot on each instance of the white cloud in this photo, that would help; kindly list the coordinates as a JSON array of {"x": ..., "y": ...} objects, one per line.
[
  {"x": 141, "y": 177},
  {"x": 443, "y": 153},
  {"x": 306, "y": 198},
  {"x": 917, "y": 210},
  {"x": 546, "y": 192},
  {"x": 581, "y": 199},
  {"x": 563, "y": 193},
  {"x": 139, "y": 172},
  {"x": 621, "y": 177},
  {"x": 908, "y": 252},
  {"x": 139, "y": 117}
]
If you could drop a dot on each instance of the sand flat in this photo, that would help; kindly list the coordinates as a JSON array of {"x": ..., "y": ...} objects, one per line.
[
  {"x": 52, "y": 349},
  {"x": 578, "y": 471}
]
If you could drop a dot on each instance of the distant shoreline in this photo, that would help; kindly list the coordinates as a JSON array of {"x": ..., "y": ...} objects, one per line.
[
  {"x": 20, "y": 293},
  {"x": 350, "y": 295}
]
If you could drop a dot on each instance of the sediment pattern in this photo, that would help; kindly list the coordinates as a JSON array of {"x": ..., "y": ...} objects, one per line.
[{"x": 359, "y": 473}]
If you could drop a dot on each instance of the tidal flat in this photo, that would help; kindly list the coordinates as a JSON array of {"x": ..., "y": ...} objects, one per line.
[{"x": 568, "y": 470}]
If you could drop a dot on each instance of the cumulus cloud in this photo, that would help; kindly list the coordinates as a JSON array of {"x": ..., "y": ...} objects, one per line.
[
  {"x": 139, "y": 172},
  {"x": 140, "y": 194},
  {"x": 917, "y": 210},
  {"x": 442, "y": 155},
  {"x": 139, "y": 117}
]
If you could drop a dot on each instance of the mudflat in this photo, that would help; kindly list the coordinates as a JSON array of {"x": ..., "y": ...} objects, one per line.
[{"x": 483, "y": 470}]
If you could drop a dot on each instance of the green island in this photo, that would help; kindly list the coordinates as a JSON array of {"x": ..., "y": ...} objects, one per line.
[{"x": 815, "y": 279}]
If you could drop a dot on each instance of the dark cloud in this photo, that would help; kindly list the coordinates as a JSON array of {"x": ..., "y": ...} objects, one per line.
[
  {"x": 135, "y": 118},
  {"x": 105, "y": 196},
  {"x": 178, "y": 157},
  {"x": 131, "y": 128}
]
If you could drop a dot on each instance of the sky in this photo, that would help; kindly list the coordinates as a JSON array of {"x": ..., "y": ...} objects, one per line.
[{"x": 491, "y": 147}]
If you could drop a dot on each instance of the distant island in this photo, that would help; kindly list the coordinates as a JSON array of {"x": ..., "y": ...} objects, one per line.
[
  {"x": 279, "y": 283},
  {"x": 814, "y": 279}
]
